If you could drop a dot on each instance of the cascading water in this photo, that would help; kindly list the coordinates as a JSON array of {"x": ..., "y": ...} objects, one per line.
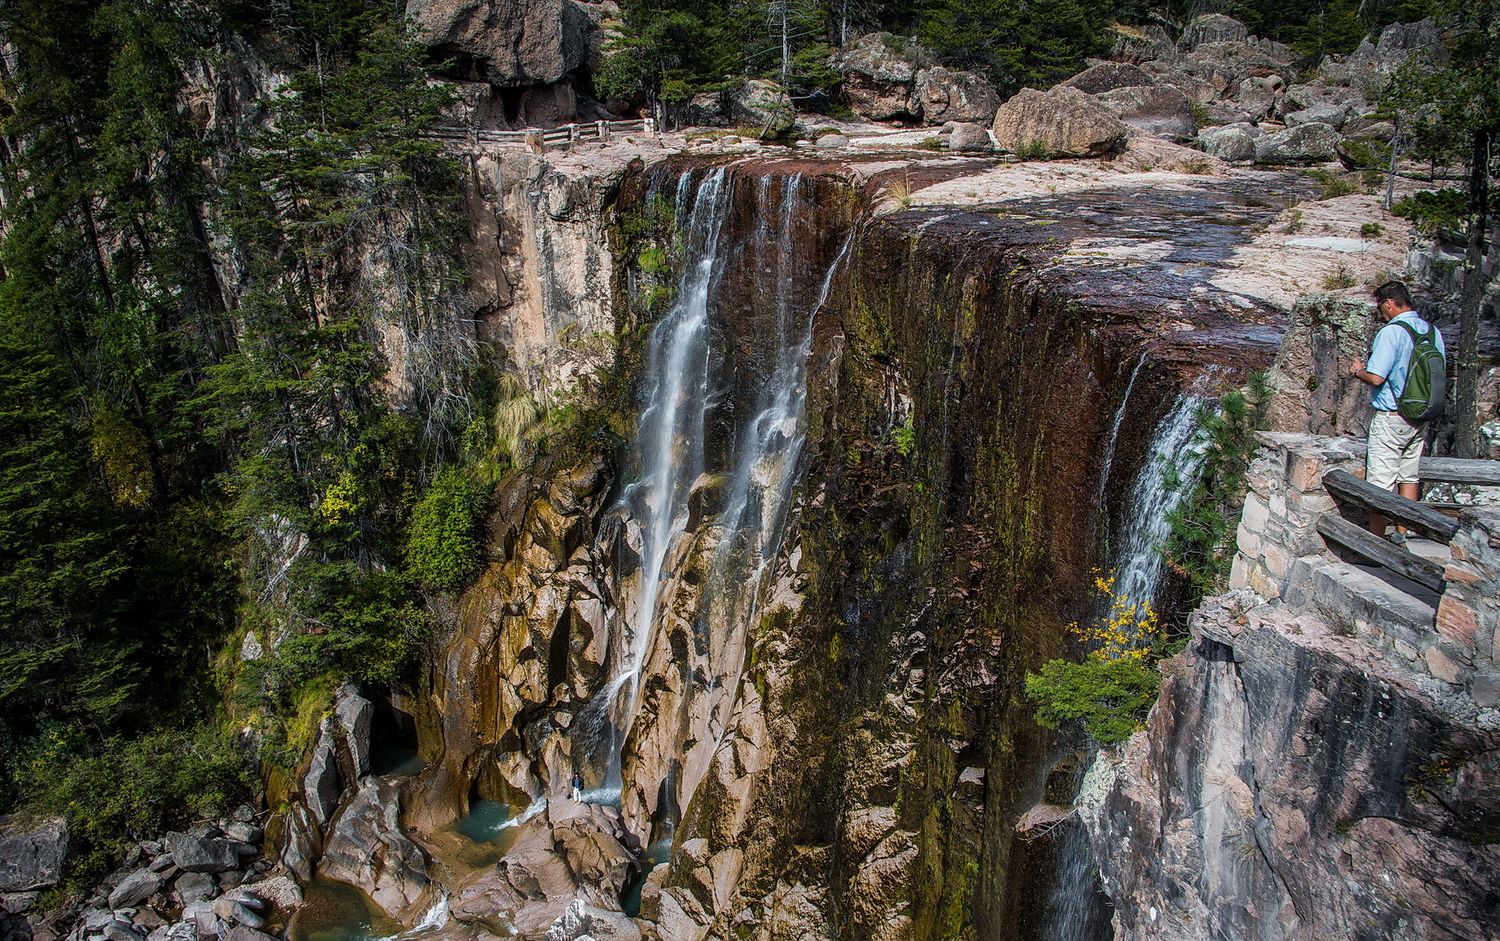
[
  {"x": 1075, "y": 913},
  {"x": 669, "y": 454},
  {"x": 1138, "y": 558},
  {"x": 678, "y": 406}
]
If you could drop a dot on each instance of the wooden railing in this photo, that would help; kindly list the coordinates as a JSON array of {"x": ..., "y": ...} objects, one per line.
[
  {"x": 1357, "y": 496},
  {"x": 542, "y": 138}
]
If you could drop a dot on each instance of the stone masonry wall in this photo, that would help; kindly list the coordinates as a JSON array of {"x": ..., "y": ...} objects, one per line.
[{"x": 1281, "y": 556}]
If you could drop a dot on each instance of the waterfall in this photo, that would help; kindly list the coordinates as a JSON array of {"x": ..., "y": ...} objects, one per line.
[
  {"x": 678, "y": 407},
  {"x": 1138, "y": 560},
  {"x": 1075, "y": 909}
]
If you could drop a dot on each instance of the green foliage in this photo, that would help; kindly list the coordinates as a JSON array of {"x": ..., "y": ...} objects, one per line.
[
  {"x": 1432, "y": 211},
  {"x": 63, "y": 570},
  {"x": 1015, "y": 45},
  {"x": 905, "y": 438},
  {"x": 442, "y": 540},
  {"x": 1334, "y": 184},
  {"x": 1109, "y": 697},
  {"x": 361, "y": 625},
  {"x": 124, "y": 790},
  {"x": 1034, "y": 150},
  {"x": 1201, "y": 543}
]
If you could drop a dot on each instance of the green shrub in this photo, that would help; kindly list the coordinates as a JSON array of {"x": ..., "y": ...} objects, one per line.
[
  {"x": 124, "y": 790},
  {"x": 1371, "y": 230},
  {"x": 442, "y": 542},
  {"x": 1034, "y": 150},
  {"x": 1110, "y": 697},
  {"x": 905, "y": 438},
  {"x": 1431, "y": 211}
]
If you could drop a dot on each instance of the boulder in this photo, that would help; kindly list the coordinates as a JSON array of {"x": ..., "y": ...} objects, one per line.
[
  {"x": 879, "y": 75},
  {"x": 136, "y": 887},
  {"x": 1061, "y": 122},
  {"x": 320, "y": 785},
  {"x": 280, "y": 892},
  {"x": 1319, "y": 102},
  {"x": 1137, "y": 44},
  {"x": 763, "y": 105},
  {"x": 1211, "y": 28},
  {"x": 583, "y": 921},
  {"x": 947, "y": 95},
  {"x": 299, "y": 842},
  {"x": 1107, "y": 76},
  {"x": 32, "y": 854},
  {"x": 1224, "y": 65},
  {"x": 202, "y": 849},
  {"x": 969, "y": 139},
  {"x": 511, "y": 42},
  {"x": 194, "y": 886},
  {"x": 1259, "y": 96},
  {"x": 1232, "y": 142},
  {"x": 1368, "y": 68},
  {"x": 1305, "y": 143},
  {"x": 355, "y": 713},
  {"x": 367, "y": 848},
  {"x": 1199, "y": 90},
  {"x": 1159, "y": 110}
]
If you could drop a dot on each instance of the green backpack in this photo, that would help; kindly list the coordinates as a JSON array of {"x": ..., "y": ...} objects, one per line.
[{"x": 1426, "y": 377}]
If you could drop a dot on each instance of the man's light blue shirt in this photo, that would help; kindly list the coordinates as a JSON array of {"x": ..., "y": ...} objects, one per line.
[{"x": 1389, "y": 356}]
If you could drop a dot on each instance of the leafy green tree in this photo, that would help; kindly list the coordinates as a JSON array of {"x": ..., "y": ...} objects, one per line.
[
  {"x": 1013, "y": 44},
  {"x": 442, "y": 543},
  {"x": 1451, "y": 114},
  {"x": 62, "y": 563}
]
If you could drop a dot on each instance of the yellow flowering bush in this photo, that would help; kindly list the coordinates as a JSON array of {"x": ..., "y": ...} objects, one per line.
[{"x": 1110, "y": 692}]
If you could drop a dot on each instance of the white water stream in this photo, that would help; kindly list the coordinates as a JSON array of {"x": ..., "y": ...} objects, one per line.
[{"x": 678, "y": 404}]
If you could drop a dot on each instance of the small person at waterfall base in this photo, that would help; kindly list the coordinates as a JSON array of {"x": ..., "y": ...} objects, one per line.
[
  {"x": 577, "y": 783},
  {"x": 1406, "y": 368}
]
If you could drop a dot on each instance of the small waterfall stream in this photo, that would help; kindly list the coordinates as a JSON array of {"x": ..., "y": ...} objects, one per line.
[{"x": 1074, "y": 911}]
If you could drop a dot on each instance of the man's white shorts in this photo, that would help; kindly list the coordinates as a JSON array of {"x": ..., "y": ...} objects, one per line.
[{"x": 1393, "y": 451}]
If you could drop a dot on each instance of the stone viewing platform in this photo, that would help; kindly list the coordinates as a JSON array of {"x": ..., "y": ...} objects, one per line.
[{"x": 1439, "y": 618}]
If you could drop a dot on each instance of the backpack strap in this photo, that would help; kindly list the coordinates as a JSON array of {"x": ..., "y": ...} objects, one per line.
[{"x": 1413, "y": 330}]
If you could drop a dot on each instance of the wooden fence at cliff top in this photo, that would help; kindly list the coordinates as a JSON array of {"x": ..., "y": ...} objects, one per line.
[{"x": 540, "y": 139}]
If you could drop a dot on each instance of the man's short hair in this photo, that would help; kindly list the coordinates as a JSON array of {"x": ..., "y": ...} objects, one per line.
[{"x": 1393, "y": 291}]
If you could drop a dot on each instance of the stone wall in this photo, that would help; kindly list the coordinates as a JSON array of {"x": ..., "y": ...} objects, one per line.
[{"x": 1281, "y": 556}]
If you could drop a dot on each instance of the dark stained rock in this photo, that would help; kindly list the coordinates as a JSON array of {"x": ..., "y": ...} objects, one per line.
[
  {"x": 32, "y": 853},
  {"x": 1107, "y": 76},
  {"x": 1294, "y": 783},
  {"x": 1159, "y": 110},
  {"x": 1063, "y": 122}
]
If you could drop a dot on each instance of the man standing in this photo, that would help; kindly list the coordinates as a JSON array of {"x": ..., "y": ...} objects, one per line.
[
  {"x": 1394, "y": 449},
  {"x": 577, "y": 783}
]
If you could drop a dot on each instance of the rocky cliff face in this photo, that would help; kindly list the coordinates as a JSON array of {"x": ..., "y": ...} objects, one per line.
[
  {"x": 1293, "y": 784},
  {"x": 782, "y": 627}
]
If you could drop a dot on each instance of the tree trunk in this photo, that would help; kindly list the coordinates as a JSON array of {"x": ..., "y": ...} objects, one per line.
[{"x": 1466, "y": 391}]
